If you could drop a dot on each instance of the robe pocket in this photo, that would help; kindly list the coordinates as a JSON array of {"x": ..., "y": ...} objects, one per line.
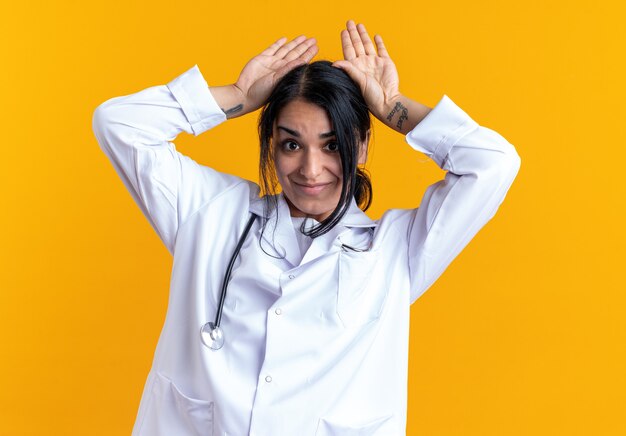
[
  {"x": 381, "y": 426},
  {"x": 360, "y": 297},
  {"x": 170, "y": 412}
]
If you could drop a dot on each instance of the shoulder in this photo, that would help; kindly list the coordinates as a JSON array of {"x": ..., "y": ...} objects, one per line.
[{"x": 394, "y": 226}]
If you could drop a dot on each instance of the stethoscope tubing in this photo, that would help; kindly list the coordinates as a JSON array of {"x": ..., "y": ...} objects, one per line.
[{"x": 229, "y": 270}]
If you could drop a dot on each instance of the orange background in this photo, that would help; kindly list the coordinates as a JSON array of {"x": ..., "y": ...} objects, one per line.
[{"x": 525, "y": 333}]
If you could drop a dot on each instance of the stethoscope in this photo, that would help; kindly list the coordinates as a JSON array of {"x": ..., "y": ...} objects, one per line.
[{"x": 211, "y": 333}]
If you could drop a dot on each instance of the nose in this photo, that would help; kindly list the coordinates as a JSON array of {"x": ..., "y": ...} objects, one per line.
[{"x": 312, "y": 164}]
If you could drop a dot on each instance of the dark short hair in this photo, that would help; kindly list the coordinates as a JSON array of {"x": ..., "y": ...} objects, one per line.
[{"x": 334, "y": 91}]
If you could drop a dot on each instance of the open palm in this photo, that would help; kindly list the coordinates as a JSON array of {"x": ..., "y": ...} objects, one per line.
[
  {"x": 261, "y": 73},
  {"x": 373, "y": 71}
]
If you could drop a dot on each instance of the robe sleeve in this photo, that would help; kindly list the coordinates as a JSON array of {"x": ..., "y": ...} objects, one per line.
[
  {"x": 136, "y": 133},
  {"x": 481, "y": 166}
]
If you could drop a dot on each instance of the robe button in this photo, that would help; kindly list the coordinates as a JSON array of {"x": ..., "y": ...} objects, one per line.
[
  {"x": 268, "y": 379},
  {"x": 278, "y": 311},
  {"x": 291, "y": 276}
]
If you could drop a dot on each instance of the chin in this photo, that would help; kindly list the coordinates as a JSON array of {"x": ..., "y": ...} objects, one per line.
[{"x": 318, "y": 212}]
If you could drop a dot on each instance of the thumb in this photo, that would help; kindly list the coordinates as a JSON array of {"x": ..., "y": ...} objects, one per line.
[{"x": 352, "y": 71}]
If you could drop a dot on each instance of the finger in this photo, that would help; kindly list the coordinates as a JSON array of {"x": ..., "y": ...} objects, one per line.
[
  {"x": 304, "y": 58},
  {"x": 281, "y": 52},
  {"x": 286, "y": 68},
  {"x": 355, "y": 38},
  {"x": 382, "y": 50},
  {"x": 298, "y": 50},
  {"x": 346, "y": 46},
  {"x": 309, "y": 53},
  {"x": 365, "y": 38},
  {"x": 274, "y": 47}
]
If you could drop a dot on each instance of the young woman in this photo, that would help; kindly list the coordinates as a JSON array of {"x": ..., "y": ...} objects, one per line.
[{"x": 312, "y": 338}]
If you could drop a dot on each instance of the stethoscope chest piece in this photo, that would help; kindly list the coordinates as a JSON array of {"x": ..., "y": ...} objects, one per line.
[
  {"x": 211, "y": 333},
  {"x": 212, "y": 336}
]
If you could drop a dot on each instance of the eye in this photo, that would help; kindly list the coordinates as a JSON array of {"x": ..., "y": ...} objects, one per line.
[
  {"x": 290, "y": 145},
  {"x": 332, "y": 146}
]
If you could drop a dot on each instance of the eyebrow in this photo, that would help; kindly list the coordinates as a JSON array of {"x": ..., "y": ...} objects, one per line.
[{"x": 297, "y": 134}]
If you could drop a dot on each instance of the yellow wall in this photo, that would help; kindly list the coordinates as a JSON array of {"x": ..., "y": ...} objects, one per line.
[{"x": 525, "y": 334}]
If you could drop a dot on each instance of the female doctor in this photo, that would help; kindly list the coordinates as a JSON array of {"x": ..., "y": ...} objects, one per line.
[{"x": 311, "y": 337}]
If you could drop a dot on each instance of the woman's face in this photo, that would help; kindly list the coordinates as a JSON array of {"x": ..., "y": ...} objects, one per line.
[{"x": 307, "y": 160}]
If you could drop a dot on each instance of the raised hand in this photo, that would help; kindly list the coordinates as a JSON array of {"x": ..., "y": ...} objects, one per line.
[
  {"x": 375, "y": 73},
  {"x": 259, "y": 76},
  {"x": 377, "y": 76},
  {"x": 261, "y": 73}
]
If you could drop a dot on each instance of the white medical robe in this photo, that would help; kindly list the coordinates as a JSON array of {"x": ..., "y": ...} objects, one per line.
[{"x": 315, "y": 345}]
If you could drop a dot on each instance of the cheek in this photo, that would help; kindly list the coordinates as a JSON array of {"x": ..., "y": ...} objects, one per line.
[
  {"x": 335, "y": 168},
  {"x": 281, "y": 167}
]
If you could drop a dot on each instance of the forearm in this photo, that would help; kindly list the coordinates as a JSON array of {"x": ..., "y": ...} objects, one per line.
[
  {"x": 230, "y": 99},
  {"x": 403, "y": 114}
]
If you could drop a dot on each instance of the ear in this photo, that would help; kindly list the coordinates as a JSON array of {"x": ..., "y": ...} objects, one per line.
[{"x": 363, "y": 149}]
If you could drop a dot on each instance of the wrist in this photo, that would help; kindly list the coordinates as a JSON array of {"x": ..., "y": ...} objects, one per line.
[
  {"x": 394, "y": 112},
  {"x": 230, "y": 99},
  {"x": 402, "y": 114},
  {"x": 389, "y": 104}
]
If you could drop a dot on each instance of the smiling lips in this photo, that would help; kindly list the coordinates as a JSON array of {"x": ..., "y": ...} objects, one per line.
[{"x": 310, "y": 188}]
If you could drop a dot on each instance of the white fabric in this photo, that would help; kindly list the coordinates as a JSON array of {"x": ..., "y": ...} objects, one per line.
[
  {"x": 315, "y": 345},
  {"x": 304, "y": 241}
]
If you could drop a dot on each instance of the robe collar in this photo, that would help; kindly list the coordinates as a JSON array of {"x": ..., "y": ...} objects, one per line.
[
  {"x": 354, "y": 217},
  {"x": 279, "y": 237}
]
